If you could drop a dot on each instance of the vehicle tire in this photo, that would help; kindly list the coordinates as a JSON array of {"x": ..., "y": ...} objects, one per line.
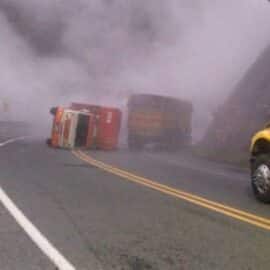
[
  {"x": 260, "y": 177},
  {"x": 53, "y": 111}
]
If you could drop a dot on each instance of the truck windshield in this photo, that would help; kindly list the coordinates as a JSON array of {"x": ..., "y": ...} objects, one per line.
[{"x": 82, "y": 130}]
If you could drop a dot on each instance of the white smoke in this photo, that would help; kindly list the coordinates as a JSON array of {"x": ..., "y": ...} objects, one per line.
[{"x": 54, "y": 52}]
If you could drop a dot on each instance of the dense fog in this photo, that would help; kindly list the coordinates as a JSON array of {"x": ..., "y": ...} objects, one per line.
[{"x": 101, "y": 51}]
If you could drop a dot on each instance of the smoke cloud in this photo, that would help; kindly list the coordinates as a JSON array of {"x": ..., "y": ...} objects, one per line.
[{"x": 54, "y": 52}]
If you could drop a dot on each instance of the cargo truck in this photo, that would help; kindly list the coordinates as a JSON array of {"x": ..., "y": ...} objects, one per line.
[{"x": 164, "y": 122}]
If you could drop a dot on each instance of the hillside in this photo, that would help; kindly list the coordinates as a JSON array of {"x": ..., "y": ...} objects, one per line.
[{"x": 244, "y": 112}]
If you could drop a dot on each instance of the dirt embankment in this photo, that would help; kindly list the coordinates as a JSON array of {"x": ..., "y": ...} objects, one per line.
[{"x": 244, "y": 112}]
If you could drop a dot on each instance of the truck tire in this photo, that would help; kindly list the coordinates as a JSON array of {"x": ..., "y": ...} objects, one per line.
[
  {"x": 260, "y": 177},
  {"x": 53, "y": 111}
]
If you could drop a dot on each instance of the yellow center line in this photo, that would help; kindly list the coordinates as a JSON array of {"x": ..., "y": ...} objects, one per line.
[{"x": 194, "y": 199}]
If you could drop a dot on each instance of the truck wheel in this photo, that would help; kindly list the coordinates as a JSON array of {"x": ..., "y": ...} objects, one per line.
[
  {"x": 53, "y": 111},
  {"x": 260, "y": 178}
]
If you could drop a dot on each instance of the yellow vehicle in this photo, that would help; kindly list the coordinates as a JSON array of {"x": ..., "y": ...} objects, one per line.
[{"x": 260, "y": 164}]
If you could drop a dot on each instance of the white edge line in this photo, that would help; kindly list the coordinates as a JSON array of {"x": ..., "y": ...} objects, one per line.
[
  {"x": 13, "y": 140},
  {"x": 48, "y": 249},
  {"x": 43, "y": 244}
]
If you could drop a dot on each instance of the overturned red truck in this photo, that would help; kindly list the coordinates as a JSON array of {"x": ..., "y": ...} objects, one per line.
[{"x": 85, "y": 126}]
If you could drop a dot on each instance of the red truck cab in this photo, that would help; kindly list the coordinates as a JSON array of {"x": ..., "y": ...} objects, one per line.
[
  {"x": 87, "y": 126},
  {"x": 72, "y": 128}
]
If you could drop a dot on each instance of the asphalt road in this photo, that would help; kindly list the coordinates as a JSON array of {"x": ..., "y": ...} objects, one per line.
[{"x": 98, "y": 220}]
